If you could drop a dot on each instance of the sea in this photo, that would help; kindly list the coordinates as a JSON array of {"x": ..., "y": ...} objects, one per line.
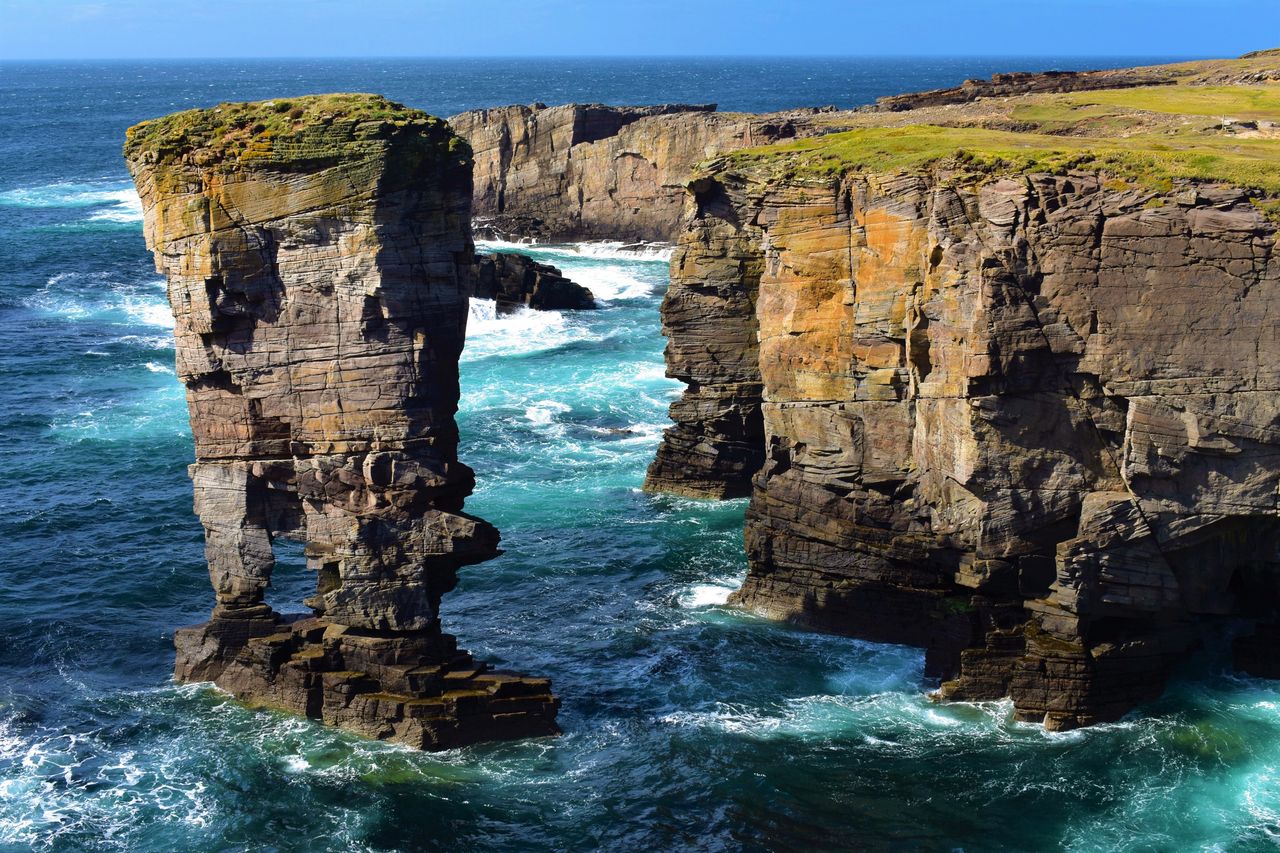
[{"x": 687, "y": 725}]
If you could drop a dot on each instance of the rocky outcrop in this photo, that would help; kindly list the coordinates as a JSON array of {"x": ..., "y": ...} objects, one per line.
[
  {"x": 708, "y": 317},
  {"x": 588, "y": 171},
  {"x": 1028, "y": 83},
  {"x": 514, "y": 280},
  {"x": 1028, "y": 423},
  {"x": 317, "y": 254}
]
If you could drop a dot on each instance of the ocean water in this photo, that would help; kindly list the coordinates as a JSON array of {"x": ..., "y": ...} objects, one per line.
[{"x": 688, "y": 726}]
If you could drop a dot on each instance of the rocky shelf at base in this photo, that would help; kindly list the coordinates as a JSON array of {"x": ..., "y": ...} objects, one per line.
[
  {"x": 417, "y": 689},
  {"x": 318, "y": 255}
]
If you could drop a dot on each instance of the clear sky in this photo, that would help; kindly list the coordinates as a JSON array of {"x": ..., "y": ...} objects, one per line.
[{"x": 65, "y": 29}]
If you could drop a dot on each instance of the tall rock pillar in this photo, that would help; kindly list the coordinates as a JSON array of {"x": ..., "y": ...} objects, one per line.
[{"x": 317, "y": 253}]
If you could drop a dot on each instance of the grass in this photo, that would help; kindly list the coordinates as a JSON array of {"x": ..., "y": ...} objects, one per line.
[
  {"x": 1243, "y": 103},
  {"x": 283, "y": 131},
  {"x": 1122, "y": 141}
]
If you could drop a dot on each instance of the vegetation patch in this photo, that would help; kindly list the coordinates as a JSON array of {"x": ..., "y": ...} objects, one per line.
[
  {"x": 287, "y": 133},
  {"x": 1152, "y": 161}
]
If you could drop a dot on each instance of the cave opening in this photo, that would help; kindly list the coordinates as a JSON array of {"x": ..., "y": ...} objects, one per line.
[{"x": 291, "y": 581}]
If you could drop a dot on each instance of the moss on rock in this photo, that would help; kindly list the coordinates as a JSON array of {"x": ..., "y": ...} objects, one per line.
[{"x": 290, "y": 134}]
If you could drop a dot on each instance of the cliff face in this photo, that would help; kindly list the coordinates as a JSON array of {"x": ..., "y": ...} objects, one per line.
[
  {"x": 588, "y": 171},
  {"x": 1028, "y": 424},
  {"x": 317, "y": 253}
]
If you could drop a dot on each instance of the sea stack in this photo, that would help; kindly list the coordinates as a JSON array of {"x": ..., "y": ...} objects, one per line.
[{"x": 318, "y": 256}]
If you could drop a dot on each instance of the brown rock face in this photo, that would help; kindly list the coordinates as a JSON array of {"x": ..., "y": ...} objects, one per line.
[
  {"x": 317, "y": 253},
  {"x": 588, "y": 171},
  {"x": 1030, "y": 425}
]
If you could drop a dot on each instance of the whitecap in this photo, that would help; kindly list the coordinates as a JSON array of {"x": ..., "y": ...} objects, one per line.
[{"x": 157, "y": 367}]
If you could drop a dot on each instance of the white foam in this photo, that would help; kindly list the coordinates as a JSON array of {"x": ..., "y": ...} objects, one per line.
[
  {"x": 616, "y": 249},
  {"x": 521, "y": 332},
  {"x": 127, "y": 207},
  {"x": 543, "y": 412},
  {"x": 157, "y": 367},
  {"x": 611, "y": 282},
  {"x": 118, "y": 199},
  {"x": 598, "y": 249},
  {"x": 149, "y": 312},
  {"x": 706, "y": 595},
  {"x": 77, "y": 296}
]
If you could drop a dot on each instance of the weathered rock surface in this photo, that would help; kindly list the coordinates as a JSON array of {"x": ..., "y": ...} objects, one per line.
[
  {"x": 589, "y": 171},
  {"x": 512, "y": 280},
  {"x": 317, "y": 253},
  {"x": 1030, "y": 423}
]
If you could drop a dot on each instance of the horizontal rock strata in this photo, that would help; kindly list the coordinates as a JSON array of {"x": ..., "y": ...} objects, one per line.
[
  {"x": 1028, "y": 423},
  {"x": 318, "y": 253},
  {"x": 589, "y": 171},
  {"x": 513, "y": 280}
]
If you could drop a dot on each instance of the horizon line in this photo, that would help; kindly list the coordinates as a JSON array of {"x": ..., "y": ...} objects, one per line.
[{"x": 598, "y": 57}]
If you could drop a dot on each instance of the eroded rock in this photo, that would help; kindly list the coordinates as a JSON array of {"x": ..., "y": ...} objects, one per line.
[
  {"x": 513, "y": 280},
  {"x": 318, "y": 253},
  {"x": 1029, "y": 424}
]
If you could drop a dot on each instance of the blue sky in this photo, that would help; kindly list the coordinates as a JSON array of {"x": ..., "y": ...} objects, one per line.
[{"x": 280, "y": 28}]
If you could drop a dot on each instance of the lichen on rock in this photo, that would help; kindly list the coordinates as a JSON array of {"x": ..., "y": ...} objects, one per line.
[{"x": 318, "y": 254}]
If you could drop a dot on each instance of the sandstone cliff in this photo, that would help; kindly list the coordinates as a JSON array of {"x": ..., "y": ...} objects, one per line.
[
  {"x": 317, "y": 253},
  {"x": 589, "y": 171},
  {"x": 1014, "y": 403}
]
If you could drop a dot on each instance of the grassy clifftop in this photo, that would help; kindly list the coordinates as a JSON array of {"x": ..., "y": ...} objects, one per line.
[
  {"x": 1153, "y": 136},
  {"x": 287, "y": 132}
]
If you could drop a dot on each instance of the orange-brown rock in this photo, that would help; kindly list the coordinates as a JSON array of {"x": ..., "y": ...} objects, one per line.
[
  {"x": 1028, "y": 422},
  {"x": 318, "y": 258}
]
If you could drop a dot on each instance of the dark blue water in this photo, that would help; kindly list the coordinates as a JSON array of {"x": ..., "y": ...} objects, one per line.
[{"x": 687, "y": 725}]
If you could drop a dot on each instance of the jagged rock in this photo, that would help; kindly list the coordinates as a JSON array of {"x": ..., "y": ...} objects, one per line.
[
  {"x": 1027, "y": 423},
  {"x": 512, "y": 279},
  {"x": 317, "y": 252},
  {"x": 589, "y": 171}
]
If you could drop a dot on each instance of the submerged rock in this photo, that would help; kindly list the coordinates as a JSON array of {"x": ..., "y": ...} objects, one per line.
[
  {"x": 317, "y": 252},
  {"x": 512, "y": 279}
]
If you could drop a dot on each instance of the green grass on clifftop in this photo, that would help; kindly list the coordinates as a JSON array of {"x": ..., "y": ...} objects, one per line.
[
  {"x": 1151, "y": 136},
  {"x": 284, "y": 131}
]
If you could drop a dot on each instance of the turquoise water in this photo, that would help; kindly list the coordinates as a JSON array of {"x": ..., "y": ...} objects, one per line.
[{"x": 687, "y": 725}]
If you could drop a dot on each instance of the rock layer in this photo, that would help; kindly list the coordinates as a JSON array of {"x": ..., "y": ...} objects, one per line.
[
  {"x": 1027, "y": 423},
  {"x": 589, "y": 171},
  {"x": 317, "y": 253}
]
